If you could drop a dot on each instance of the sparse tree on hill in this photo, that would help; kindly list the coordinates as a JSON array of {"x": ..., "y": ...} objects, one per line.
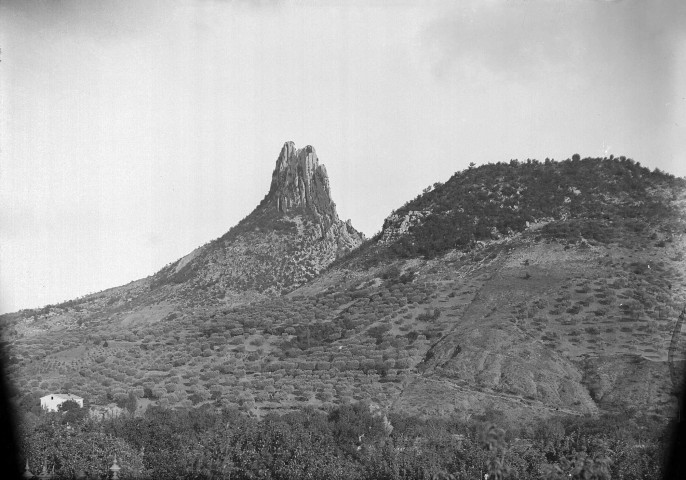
[{"x": 131, "y": 403}]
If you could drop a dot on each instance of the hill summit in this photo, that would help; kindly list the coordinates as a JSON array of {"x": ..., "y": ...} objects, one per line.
[
  {"x": 299, "y": 181},
  {"x": 292, "y": 235},
  {"x": 300, "y": 186}
]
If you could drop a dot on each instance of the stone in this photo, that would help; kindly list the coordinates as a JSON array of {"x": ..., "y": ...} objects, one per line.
[
  {"x": 291, "y": 236},
  {"x": 301, "y": 185}
]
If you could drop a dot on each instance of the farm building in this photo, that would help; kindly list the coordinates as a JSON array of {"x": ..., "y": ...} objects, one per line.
[{"x": 52, "y": 401}]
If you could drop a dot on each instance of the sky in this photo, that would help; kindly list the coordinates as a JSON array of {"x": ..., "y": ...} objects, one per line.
[{"x": 132, "y": 132}]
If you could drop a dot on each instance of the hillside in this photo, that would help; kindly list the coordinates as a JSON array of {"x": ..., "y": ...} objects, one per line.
[
  {"x": 605, "y": 201},
  {"x": 292, "y": 235},
  {"x": 526, "y": 288}
]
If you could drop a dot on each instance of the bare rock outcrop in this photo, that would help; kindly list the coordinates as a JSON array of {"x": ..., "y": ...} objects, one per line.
[
  {"x": 298, "y": 181},
  {"x": 396, "y": 225},
  {"x": 292, "y": 235},
  {"x": 300, "y": 185}
]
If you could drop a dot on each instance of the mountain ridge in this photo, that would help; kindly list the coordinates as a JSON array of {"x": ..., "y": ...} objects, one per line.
[
  {"x": 554, "y": 302},
  {"x": 298, "y": 204},
  {"x": 288, "y": 238}
]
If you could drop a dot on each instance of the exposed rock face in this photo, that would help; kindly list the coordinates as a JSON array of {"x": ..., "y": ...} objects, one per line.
[
  {"x": 289, "y": 238},
  {"x": 395, "y": 226},
  {"x": 299, "y": 181},
  {"x": 300, "y": 185}
]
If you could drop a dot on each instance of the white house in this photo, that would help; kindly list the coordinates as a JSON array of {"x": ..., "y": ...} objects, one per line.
[{"x": 54, "y": 400}]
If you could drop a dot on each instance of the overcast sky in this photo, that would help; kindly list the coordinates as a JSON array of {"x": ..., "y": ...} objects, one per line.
[{"x": 133, "y": 132}]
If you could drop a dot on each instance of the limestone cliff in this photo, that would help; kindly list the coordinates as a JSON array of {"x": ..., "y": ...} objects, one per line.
[
  {"x": 300, "y": 186},
  {"x": 298, "y": 181},
  {"x": 292, "y": 235}
]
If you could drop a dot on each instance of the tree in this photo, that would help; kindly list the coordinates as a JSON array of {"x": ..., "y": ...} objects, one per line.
[
  {"x": 579, "y": 467},
  {"x": 350, "y": 423},
  {"x": 31, "y": 403},
  {"x": 67, "y": 406},
  {"x": 73, "y": 448},
  {"x": 73, "y": 413},
  {"x": 131, "y": 403},
  {"x": 494, "y": 441}
]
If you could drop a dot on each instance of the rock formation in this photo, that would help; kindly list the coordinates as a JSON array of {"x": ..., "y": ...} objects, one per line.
[
  {"x": 300, "y": 185},
  {"x": 396, "y": 225},
  {"x": 292, "y": 235},
  {"x": 299, "y": 181}
]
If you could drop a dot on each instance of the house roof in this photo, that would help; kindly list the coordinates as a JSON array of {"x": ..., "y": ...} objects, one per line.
[{"x": 62, "y": 396}]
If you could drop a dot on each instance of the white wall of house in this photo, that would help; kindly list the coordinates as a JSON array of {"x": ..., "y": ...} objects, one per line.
[{"x": 52, "y": 401}]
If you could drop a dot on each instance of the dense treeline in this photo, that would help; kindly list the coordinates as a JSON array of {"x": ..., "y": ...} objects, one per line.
[
  {"x": 477, "y": 204},
  {"x": 350, "y": 442}
]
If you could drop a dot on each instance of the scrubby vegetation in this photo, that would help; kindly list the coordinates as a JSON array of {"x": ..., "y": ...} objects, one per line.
[
  {"x": 593, "y": 198},
  {"x": 304, "y": 350},
  {"x": 526, "y": 289},
  {"x": 348, "y": 442}
]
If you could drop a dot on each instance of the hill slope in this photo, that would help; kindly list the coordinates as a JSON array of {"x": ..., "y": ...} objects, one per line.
[
  {"x": 526, "y": 288},
  {"x": 292, "y": 235}
]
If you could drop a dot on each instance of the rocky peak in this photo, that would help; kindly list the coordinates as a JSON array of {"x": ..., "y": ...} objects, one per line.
[
  {"x": 299, "y": 182},
  {"x": 301, "y": 185}
]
